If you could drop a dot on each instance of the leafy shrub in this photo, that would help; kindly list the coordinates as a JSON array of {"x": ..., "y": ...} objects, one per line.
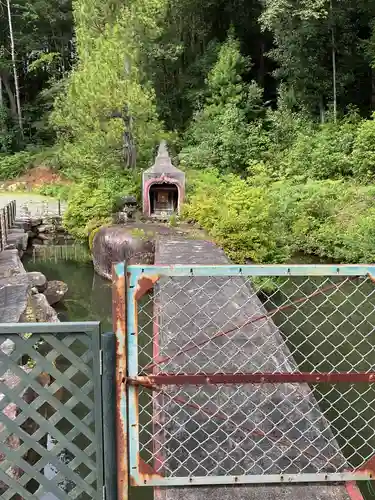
[
  {"x": 330, "y": 219},
  {"x": 266, "y": 285},
  {"x": 55, "y": 190},
  {"x": 265, "y": 221},
  {"x": 173, "y": 221},
  {"x": 347, "y": 235},
  {"x": 238, "y": 215},
  {"x": 363, "y": 156},
  {"x": 323, "y": 153},
  {"x": 92, "y": 201},
  {"x": 11, "y": 166}
]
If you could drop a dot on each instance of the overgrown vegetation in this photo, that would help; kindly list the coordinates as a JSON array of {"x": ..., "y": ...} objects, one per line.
[
  {"x": 11, "y": 166},
  {"x": 270, "y": 222},
  {"x": 269, "y": 105},
  {"x": 282, "y": 183},
  {"x": 92, "y": 202}
]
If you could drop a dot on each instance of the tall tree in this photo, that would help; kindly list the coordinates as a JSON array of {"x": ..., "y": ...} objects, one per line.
[
  {"x": 316, "y": 49},
  {"x": 15, "y": 74},
  {"x": 224, "y": 132},
  {"x": 39, "y": 35},
  {"x": 107, "y": 78}
]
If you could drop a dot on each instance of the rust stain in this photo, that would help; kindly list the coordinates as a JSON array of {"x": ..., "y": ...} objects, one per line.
[
  {"x": 118, "y": 303},
  {"x": 119, "y": 326},
  {"x": 133, "y": 482},
  {"x": 144, "y": 285},
  {"x": 136, "y": 405},
  {"x": 144, "y": 381},
  {"x": 368, "y": 467},
  {"x": 146, "y": 469},
  {"x": 251, "y": 378},
  {"x": 146, "y": 472}
]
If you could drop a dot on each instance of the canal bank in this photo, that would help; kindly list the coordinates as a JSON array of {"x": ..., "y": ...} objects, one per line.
[{"x": 88, "y": 297}]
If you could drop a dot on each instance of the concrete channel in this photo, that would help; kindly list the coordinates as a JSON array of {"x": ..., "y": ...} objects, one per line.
[{"x": 287, "y": 410}]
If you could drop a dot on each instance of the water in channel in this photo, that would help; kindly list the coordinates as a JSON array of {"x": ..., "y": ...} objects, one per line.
[
  {"x": 89, "y": 297},
  {"x": 334, "y": 330},
  {"x": 307, "y": 331}
]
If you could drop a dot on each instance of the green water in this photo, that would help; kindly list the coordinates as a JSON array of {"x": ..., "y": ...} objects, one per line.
[
  {"x": 321, "y": 333},
  {"x": 334, "y": 331},
  {"x": 89, "y": 297}
]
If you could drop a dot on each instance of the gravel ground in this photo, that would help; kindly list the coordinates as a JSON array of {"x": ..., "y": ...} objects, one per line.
[{"x": 36, "y": 203}]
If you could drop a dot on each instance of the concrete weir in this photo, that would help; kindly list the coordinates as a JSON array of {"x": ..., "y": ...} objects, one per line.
[{"x": 193, "y": 442}]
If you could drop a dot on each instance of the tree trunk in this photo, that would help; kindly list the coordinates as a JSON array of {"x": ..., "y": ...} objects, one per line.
[
  {"x": 261, "y": 71},
  {"x": 333, "y": 66},
  {"x": 372, "y": 89},
  {"x": 11, "y": 98},
  {"x": 15, "y": 75},
  {"x": 321, "y": 111}
]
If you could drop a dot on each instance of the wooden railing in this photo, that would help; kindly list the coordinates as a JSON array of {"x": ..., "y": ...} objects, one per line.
[{"x": 7, "y": 219}]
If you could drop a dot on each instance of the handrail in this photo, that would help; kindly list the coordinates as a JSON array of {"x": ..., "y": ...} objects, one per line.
[{"x": 7, "y": 220}]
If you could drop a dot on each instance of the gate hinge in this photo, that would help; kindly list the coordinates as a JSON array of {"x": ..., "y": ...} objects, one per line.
[{"x": 101, "y": 364}]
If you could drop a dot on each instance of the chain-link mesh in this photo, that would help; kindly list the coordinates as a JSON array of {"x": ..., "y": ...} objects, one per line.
[
  {"x": 238, "y": 325},
  {"x": 50, "y": 427}
]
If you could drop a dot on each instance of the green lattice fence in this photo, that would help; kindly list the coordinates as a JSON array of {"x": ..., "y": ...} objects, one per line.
[{"x": 50, "y": 412}]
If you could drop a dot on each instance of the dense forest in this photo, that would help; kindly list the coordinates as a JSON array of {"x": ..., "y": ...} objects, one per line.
[{"x": 267, "y": 104}]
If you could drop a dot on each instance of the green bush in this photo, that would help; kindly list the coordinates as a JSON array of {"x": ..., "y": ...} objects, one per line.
[
  {"x": 55, "y": 190},
  {"x": 323, "y": 153},
  {"x": 262, "y": 221},
  {"x": 363, "y": 156},
  {"x": 11, "y": 166},
  {"x": 238, "y": 215},
  {"x": 330, "y": 219},
  {"x": 91, "y": 202}
]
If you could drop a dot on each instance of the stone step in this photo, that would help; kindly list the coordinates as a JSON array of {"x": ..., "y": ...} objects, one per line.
[{"x": 17, "y": 240}]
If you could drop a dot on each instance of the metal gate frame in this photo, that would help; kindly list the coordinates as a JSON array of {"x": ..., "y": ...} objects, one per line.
[
  {"x": 22, "y": 335},
  {"x": 141, "y": 279}
]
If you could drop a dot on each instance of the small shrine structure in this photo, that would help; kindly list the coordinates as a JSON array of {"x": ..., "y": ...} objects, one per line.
[{"x": 163, "y": 187}]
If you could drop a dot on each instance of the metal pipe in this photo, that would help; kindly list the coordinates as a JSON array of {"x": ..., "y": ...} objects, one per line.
[
  {"x": 119, "y": 327},
  {"x": 254, "y": 378}
]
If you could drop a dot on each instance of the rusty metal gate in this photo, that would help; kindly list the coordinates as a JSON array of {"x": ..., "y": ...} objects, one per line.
[
  {"x": 253, "y": 374},
  {"x": 51, "y": 444}
]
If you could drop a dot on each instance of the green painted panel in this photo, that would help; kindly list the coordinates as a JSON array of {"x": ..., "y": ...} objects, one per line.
[{"x": 51, "y": 442}]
